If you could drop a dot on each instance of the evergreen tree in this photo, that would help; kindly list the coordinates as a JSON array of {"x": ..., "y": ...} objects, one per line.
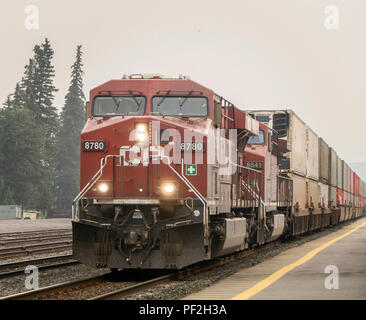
[
  {"x": 68, "y": 139},
  {"x": 22, "y": 141},
  {"x": 29, "y": 123}
]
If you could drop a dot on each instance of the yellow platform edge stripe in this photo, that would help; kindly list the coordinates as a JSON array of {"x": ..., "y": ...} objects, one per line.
[{"x": 247, "y": 294}]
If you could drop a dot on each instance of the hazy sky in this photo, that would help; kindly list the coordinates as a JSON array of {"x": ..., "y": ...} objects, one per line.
[{"x": 263, "y": 54}]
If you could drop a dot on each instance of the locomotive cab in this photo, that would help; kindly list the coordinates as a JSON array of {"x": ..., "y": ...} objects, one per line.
[{"x": 163, "y": 179}]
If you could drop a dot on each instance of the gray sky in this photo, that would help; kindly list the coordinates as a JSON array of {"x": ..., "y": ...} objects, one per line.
[{"x": 256, "y": 53}]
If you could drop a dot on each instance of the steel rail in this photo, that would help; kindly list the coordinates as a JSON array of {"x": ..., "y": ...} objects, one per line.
[
  {"x": 33, "y": 233},
  {"x": 34, "y": 248},
  {"x": 125, "y": 291},
  {"x": 43, "y": 267},
  {"x": 38, "y": 239},
  {"x": 41, "y": 263},
  {"x": 181, "y": 275},
  {"x": 53, "y": 289},
  {"x": 33, "y": 261}
]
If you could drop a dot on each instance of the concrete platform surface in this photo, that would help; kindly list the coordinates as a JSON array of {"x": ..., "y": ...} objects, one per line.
[
  {"x": 7, "y": 226},
  {"x": 331, "y": 267}
]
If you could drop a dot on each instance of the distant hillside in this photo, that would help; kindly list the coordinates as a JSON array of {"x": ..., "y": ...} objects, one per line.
[{"x": 360, "y": 169}]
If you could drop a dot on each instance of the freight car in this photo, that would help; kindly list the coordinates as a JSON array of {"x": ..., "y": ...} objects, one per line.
[
  {"x": 326, "y": 191},
  {"x": 173, "y": 174}
]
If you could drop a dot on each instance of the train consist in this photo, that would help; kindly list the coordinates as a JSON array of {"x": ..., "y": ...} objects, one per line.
[{"x": 173, "y": 174}]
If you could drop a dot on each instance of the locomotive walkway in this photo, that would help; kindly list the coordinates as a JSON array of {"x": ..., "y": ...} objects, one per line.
[{"x": 331, "y": 267}]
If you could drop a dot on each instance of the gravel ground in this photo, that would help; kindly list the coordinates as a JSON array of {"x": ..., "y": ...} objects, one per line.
[
  {"x": 195, "y": 283},
  {"x": 16, "y": 284},
  {"x": 173, "y": 290}
]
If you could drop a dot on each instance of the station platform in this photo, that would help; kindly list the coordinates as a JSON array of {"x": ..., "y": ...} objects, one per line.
[
  {"x": 332, "y": 267},
  {"x": 8, "y": 226}
]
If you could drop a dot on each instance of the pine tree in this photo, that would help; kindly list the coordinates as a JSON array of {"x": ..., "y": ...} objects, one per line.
[
  {"x": 68, "y": 143},
  {"x": 29, "y": 123},
  {"x": 39, "y": 96},
  {"x": 21, "y": 174}
]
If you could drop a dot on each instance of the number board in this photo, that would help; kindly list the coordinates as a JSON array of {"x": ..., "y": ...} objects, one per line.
[
  {"x": 192, "y": 146},
  {"x": 94, "y": 145},
  {"x": 254, "y": 165}
]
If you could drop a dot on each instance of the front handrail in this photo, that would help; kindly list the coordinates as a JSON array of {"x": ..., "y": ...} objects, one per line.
[
  {"x": 89, "y": 185},
  {"x": 195, "y": 191},
  {"x": 99, "y": 173}
]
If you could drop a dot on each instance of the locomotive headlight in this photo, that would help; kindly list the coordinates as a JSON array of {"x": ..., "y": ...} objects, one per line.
[
  {"x": 103, "y": 187},
  {"x": 141, "y": 127},
  {"x": 141, "y": 137},
  {"x": 168, "y": 188},
  {"x": 141, "y": 132}
]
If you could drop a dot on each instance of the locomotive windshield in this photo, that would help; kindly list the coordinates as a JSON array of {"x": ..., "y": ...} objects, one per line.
[
  {"x": 180, "y": 106},
  {"x": 119, "y": 105},
  {"x": 259, "y": 139}
]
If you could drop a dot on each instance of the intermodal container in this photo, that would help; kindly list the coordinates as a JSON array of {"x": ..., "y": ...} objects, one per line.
[
  {"x": 324, "y": 195},
  {"x": 313, "y": 193},
  {"x": 291, "y": 128},
  {"x": 345, "y": 176},
  {"x": 323, "y": 161},
  {"x": 332, "y": 168},
  {"x": 312, "y": 154},
  {"x": 339, "y": 173},
  {"x": 340, "y": 197},
  {"x": 356, "y": 182},
  {"x": 332, "y": 197},
  {"x": 351, "y": 181}
]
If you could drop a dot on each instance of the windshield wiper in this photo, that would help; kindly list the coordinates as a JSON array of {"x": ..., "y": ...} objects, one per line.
[
  {"x": 185, "y": 99},
  {"x": 163, "y": 98},
  {"x": 114, "y": 100},
  {"x": 134, "y": 98}
]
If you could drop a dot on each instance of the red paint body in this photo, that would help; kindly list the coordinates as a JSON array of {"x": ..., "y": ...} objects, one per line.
[{"x": 145, "y": 181}]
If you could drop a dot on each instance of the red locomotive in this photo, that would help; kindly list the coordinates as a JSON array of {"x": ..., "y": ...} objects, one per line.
[{"x": 173, "y": 174}]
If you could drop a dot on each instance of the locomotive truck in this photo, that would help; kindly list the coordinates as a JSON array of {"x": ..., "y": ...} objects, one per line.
[{"x": 173, "y": 173}]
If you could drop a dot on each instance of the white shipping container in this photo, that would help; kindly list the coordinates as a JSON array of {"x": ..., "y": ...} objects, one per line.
[
  {"x": 332, "y": 167},
  {"x": 314, "y": 194},
  {"x": 297, "y": 136},
  {"x": 346, "y": 198},
  {"x": 332, "y": 197},
  {"x": 362, "y": 188},
  {"x": 351, "y": 181},
  {"x": 299, "y": 191},
  {"x": 324, "y": 194},
  {"x": 323, "y": 161},
  {"x": 312, "y": 154},
  {"x": 345, "y": 177},
  {"x": 291, "y": 128},
  {"x": 339, "y": 173}
]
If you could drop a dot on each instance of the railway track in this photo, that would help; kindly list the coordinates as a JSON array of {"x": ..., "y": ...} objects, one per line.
[
  {"x": 16, "y": 268},
  {"x": 37, "y": 248},
  {"x": 17, "y": 235},
  {"x": 20, "y": 244},
  {"x": 112, "y": 286}
]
